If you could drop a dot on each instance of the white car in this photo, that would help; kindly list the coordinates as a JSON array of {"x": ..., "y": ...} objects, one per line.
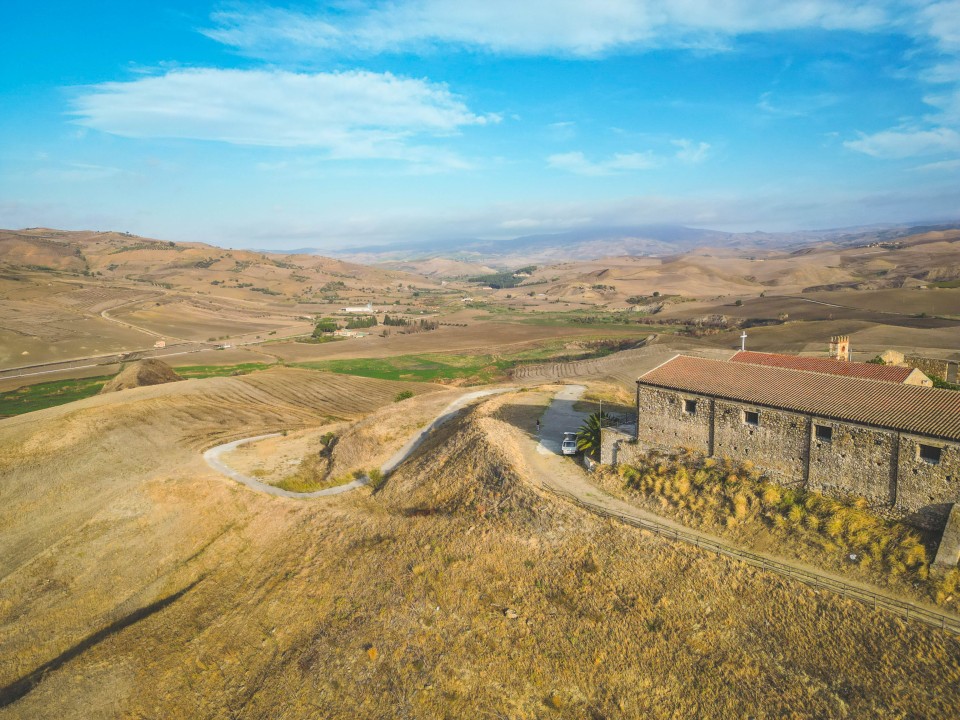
[{"x": 569, "y": 444}]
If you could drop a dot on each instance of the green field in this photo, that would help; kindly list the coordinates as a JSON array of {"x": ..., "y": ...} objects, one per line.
[
  {"x": 58, "y": 392},
  {"x": 205, "y": 371},
  {"x": 475, "y": 369},
  {"x": 44, "y": 395},
  {"x": 429, "y": 367},
  {"x": 424, "y": 367},
  {"x": 572, "y": 318}
]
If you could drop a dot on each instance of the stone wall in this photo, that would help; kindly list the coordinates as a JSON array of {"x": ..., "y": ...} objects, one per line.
[
  {"x": 620, "y": 447},
  {"x": 883, "y": 466},
  {"x": 855, "y": 460},
  {"x": 925, "y": 489},
  {"x": 665, "y": 420},
  {"x": 943, "y": 369},
  {"x": 778, "y": 443}
]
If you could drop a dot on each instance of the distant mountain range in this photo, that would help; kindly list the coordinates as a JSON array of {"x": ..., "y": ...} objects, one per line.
[{"x": 597, "y": 242}]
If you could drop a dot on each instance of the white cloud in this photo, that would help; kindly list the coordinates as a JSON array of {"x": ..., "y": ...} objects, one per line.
[
  {"x": 353, "y": 114},
  {"x": 907, "y": 143},
  {"x": 562, "y": 131},
  {"x": 562, "y": 27},
  {"x": 690, "y": 152},
  {"x": 80, "y": 172},
  {"x": 577, "y": 162},
  {"x": 941, "y": 166},
  {"x": 942, "y": 22}
]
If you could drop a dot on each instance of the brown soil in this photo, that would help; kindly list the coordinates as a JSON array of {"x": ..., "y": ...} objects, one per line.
[{"x": 141, "y": 374}]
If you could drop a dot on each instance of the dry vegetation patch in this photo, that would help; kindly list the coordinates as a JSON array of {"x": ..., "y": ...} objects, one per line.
[{"x": 737, "y": 501}]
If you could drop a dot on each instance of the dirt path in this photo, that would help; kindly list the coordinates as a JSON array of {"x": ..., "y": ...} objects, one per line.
[
  {"x": 565, "y": 477},
  {"x": 213, "y": 455}
]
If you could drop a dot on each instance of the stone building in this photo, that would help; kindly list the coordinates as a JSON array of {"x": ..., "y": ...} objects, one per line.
[
  {"x": 870, "y": 371},
  {"x": 897, "y": 445}
]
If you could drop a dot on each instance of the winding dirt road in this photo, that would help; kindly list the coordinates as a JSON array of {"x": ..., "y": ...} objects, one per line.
[{"x": 213, "y": 456}]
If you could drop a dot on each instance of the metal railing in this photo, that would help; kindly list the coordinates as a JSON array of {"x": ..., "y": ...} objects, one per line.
[{"x": 903, "y": 608}]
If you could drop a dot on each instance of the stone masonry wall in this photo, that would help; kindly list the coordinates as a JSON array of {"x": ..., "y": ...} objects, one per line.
[
  {"x": 663, "y": 421},
  {"x": 943, "y": 369},
  {"x": 856, "y": 460},
  {"x": 924, "y": 489},
  {"x": 620, "y": 447},
  {"x": 883, "y": 466},
  {"x": 778, "y": 443}
]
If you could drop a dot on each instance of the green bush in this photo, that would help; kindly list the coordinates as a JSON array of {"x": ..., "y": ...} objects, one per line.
[
  {"x": 403, "y": 395},
  {"x": 377, "y": 479}
]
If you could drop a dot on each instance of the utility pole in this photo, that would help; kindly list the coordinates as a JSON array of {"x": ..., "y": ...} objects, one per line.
[{"x": 601, "y": 430}]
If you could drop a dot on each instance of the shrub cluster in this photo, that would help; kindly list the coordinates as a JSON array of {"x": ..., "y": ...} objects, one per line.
[{"x": 721, "y": 493}]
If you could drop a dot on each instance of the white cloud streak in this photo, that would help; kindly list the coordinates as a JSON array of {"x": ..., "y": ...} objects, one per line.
[
  {"x": 534, "y": 27},
  {"x": 688, "y": 152},
  {"x": 577, "y": 163},
  {"x": 896, "y": 144},
  {"x": 349, "y": 115}
]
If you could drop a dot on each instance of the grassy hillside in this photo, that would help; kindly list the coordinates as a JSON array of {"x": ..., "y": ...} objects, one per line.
[{"x": 137, "y": 582}]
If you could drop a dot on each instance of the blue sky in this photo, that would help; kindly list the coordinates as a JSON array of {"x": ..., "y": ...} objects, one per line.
[{"x": 353, "y": 123}]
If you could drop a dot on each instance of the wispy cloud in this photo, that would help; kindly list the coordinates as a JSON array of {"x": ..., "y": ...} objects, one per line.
[
  {"x": 691, "y": 152},
  {"x": 349, "y": 115},
  {"x": 688, "y": 152},
  {"x": 577, "y": 162},
  {"x": 907, "y": 143},
  {"x": 941, "y": 166},
  {"x": 557, "y": 27},
  {"x": 80, "y": 172},
  {"x": 795, "y": 106}
]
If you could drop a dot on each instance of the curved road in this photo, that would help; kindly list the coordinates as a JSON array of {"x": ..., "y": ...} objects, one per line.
[{"x": 214, "y": 454}]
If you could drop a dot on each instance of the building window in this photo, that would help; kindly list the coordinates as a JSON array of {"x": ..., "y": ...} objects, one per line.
[
  {"x": 690, "y": 407},
  {"x": 751, "y": 418},
  {"x": 929, "y": 454},
  {"x": 824, "y": 433}
]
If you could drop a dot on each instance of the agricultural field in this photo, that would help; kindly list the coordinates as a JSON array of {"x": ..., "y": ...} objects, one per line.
[{"x": 188, "y": 321}]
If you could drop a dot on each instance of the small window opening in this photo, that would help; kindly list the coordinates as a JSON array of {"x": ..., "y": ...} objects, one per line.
[
  {"x": 929, "y": 454},
  {"x": 690, "y": 407},
  {"x": 751, "y": 418},
  {"x": 824, "y": 433}
]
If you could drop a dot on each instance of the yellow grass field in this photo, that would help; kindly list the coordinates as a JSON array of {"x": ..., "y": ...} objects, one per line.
[{"x": 137, "y": 582}]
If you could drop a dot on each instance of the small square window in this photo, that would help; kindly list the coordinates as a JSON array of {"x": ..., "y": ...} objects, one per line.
[
  {"x": 929, "y": 454},
  {"x": 690, "y": 407},
  {"x": 824, "y": 433},
  {"x": 751, "y": 418}
]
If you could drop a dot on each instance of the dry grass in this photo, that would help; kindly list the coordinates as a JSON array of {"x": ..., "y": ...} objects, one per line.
[
  {"x": 457, "y": 590},
  {"x": 735, "y": 500}
]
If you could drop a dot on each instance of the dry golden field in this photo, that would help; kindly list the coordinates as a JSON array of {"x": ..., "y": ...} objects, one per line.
[{"x": 137, "y": 582}]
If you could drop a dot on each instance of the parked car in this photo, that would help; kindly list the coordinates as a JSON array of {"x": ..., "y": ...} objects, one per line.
[{"x": 569, "y": 444}]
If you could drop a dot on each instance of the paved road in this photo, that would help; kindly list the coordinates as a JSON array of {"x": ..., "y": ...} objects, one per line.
[
  {"x": 564, "y": 476},
  {"x": 213, "y": 455}
]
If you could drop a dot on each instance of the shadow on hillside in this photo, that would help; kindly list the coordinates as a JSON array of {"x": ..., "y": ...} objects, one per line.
[{"x": 19, "y": 688}]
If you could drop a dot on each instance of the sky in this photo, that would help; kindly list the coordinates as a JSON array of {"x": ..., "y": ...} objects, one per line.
[{"x": 346, "y": 124}]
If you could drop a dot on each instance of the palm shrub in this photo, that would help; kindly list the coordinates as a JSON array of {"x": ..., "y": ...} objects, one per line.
[{"x": 588, "y": 436}]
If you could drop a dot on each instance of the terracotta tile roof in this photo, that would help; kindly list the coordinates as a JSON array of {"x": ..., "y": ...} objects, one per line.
[
  {"x": 887, "y": 373},
  {"x": 910, "y": 408}
]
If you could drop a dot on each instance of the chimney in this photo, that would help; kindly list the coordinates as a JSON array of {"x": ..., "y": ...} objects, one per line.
[{"x": 840, "y": 347}]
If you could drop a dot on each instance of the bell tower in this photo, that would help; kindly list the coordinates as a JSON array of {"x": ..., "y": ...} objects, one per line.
[{"x": 840, "y": 347}]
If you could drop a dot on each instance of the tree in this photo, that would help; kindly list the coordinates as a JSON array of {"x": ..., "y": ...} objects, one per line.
[
  {"x": 588, "y": 436},
  {"x": 325, "y": 326}
]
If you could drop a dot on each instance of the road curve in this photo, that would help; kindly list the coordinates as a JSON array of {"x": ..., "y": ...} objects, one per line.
[{"x": 213, "y": 455}]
